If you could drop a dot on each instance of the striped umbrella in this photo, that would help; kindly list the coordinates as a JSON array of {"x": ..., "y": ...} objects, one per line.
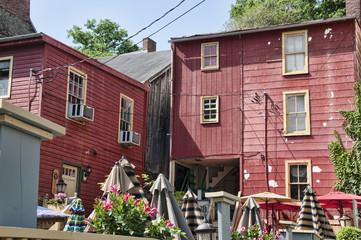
[
  {"x": 137, "y": 190},
  {"x": 76, "y": 221},
  {"x": 192, "y": 211},
  {"x": 312, "y": 216}
]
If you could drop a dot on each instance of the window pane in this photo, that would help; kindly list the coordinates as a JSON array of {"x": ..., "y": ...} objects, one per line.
[
  {"x": 207, "y": 62},
  {"x": 302, "y": 191},
  {"x": 300, "y": 103},
  {"x": 294, "y": 192},
  {"x": 300, "y": 61},
  {"x": 299, "y": 43},
  {"x": 210, "y": 50},
  {"x": 290, "y": 44},
  {"x": 213, "y": 61},
  {"x": 4, "y": 85},
  {"x": 303, "y": 173},
  {"x": 292, "y": 123},
  {"x": 293, "y": 173},
  {"x": 5, "y": 64},
  {"x": 290, "y": 62},
  {"x": 291, "y": 104},
  {"x": 4, "y": 69},
  {"x": 301, "y": 121}
]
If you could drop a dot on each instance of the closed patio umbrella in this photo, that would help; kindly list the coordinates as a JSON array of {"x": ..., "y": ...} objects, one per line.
[
  {"x": 76, "y": 221},
  {"x": 118, "y": 177},
  {"x": 191, "y": 210},
  {"x": 312, "y": 216},
  {"x": 164, "y": 200},
  {"x": 250, "y": 215}
]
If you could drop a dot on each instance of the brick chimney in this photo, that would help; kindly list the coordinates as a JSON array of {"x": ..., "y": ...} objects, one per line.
[
  {"x": 353, "y": 8},
  {"x": 149, "y": 45},
  {"x": 20, "y": 8}
]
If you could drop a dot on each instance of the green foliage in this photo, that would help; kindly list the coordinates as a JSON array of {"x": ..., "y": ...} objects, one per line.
[
  {"x": 347, "y": 233},
  {"x": 101, "y": 39},
  {"x": 57, "y": 199},
  {"x": 253, "y": 232},
  {"x": 348, "y": 163},
  {"x": 179, "y": 195},
  {"x": 163, "y": 229},
  {"x": 261, "y": 13}
]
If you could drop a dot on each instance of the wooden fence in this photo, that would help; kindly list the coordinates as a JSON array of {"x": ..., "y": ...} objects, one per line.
[{"x": 10, "y": 233}]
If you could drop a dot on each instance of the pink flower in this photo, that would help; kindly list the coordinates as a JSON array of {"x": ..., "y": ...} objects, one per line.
[
  {"x": 278, "y": 233},
  {"x": 107, "y": 204},
  {"x": 152, "y": 212},
  {"x": 230, "y": 228},
  {"x": 127, "y": 196},
  {"x": 260, "y": 238},
  {"x": 136, "y": 202},
  {"x": 242, "y": 229},
  {"x": 146, "y": 208},
  {"x": 265, "y": 231},
  {"x": 114, "y": 188},
  {"x": 169, "y": 223}
]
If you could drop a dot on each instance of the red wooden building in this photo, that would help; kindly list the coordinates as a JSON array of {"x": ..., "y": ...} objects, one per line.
[
  {"x": 96, "y": 104},
  {"x": 254, "y": 110}
]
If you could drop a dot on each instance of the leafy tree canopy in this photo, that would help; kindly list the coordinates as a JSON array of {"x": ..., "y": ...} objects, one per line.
[
  {"x": 261, "y": 13},
  {"x": 348, "y": 163},
  {"x": 102, "y": 39}
]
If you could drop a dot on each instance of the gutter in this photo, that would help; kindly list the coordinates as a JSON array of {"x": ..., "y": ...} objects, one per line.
[{"x": 21, "y": 37}]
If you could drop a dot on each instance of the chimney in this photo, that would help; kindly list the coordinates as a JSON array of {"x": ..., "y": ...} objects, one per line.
[
  {"x": 20, "y": 8},
  {"x": 149, "y": 45},
  {"x": 353, "y": 8}
]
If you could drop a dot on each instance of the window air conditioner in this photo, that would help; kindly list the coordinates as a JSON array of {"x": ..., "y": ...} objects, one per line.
[
  {"x": 80, "y": 112},
  {"x": 129, "y": 138}
]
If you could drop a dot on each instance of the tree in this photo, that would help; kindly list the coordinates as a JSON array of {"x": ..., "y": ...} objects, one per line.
[
  {"x": 348, "y": 163},
  {"x": 101, "y": 39},
  {"x": 261, "y": 13}
]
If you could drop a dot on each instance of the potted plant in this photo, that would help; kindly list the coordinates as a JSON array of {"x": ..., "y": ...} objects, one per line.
[{"x": 57, "y": 202}]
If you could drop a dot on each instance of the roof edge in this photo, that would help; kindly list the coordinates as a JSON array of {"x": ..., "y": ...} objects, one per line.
[
  {"x": 257, "y": 30},
  {"x": 21, "y": 37}
]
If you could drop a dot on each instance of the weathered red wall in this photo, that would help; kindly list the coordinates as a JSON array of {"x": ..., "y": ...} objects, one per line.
[
  {"x": 254, "y": 62},
  {"x": 104, "y": 87}
]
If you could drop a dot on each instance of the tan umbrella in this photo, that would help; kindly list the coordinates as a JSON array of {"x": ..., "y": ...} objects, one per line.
[
  {"x": 137, "y": 190},
  {"x": 164, "y": 200},
  {"x": 268, "y": 197},
  {"x": 118, "y": 177},
  {"x": 312, "y": 216}
]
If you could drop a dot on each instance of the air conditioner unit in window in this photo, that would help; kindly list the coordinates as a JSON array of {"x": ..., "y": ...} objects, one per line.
[
  {"x": 129, "y": 138},
  {"x": 80, "y": 112}
]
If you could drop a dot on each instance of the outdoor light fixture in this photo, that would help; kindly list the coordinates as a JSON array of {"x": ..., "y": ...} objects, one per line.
[
  {"x": 206, "y": 231},
  {"x": 88, "y": 169},
  {"x": 345, "y": 220},
  {"x": 61, "y": 186}
]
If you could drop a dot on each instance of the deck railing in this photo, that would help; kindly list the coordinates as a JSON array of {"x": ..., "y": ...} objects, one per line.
[{"x": 10, "y": 233}]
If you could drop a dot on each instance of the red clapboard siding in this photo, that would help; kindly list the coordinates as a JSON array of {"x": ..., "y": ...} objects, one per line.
[
  {"x": 104, "y": 86},
  {"x": 253, "y": 63}
]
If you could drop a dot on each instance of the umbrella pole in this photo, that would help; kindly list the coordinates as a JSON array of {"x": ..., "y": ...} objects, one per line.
[{"x": 267, "y": 212}]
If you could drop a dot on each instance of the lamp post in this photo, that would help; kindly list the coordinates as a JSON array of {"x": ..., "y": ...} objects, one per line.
[
  {"x": 345, "y": 220},
  {"x": 61, "y": 186},
  {"x": 206, "y": 231}
]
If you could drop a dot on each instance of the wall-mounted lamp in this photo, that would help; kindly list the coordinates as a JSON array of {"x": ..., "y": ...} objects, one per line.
[
  {"x": 86, "y": 172},
  {"x": 88, "y": 169},
  {"x": 61, "y": 186}
]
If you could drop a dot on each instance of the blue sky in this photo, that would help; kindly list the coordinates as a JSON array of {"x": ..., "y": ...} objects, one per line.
[{"x": 55, "y": 17}]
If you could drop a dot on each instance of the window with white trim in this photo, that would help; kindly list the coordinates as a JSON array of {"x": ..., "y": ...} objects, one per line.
[
  {"x": 298, "y": 177},
  {"x": 209, "y": 109},
  {"x": 126, "y": 113},
  {"x": 296, "y": 113},
  {"x": 76, "y": 87},
  {"x": 6, "y": 66},
  {"x": 295, "y": 52},
  {"x": 209, "y": 55}
]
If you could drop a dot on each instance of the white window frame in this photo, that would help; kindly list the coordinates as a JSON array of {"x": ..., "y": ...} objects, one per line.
[
  {"x": 83, "y": 99},
  {"x": 285, "y": 54},
  {"x": 203, "y": 56},
  {"x": 307, "y": 131},
  {"x": 289, "y": 163},
  {"x": 213, "y": 120},
  {"x": 11, "y": 60},
  {"x": 131, "y": 101}
]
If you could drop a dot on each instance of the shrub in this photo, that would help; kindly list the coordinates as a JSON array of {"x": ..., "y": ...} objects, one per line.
[
  {"x": 253, "y": 232},
  {"x": 347, "y": 233}
]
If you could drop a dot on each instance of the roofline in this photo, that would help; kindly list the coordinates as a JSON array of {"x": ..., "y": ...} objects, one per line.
[
  {"x": 257, "y": 30},
  {"x": 21, "y": 37},
  {"x": 155, "y": 76}
]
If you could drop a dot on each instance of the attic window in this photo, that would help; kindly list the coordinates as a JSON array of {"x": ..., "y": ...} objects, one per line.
[
  {"x": 210, "y": 56},
  {"x": 294, "y": 52},
  {"x": 6, "y": 65}
]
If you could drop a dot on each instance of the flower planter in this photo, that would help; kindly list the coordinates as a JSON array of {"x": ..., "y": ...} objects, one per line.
[{"x": 56, "y": 207}]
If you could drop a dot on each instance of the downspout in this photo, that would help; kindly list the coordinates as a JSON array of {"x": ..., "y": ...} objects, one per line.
[
  {"x": 242, "y": 119},
  {"x": 265, "y": 139}
]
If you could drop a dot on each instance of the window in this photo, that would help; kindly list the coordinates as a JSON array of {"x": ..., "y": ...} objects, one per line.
[
  {"x": 76, "y": 91},
  {"x": 209, "y": 109},
  {"x": 6, "y": 67},
  {"x": 296, "y": 113},
  {"x": 126, "y": 113},
  {"x": 298, "y": 177},
  {"x": 294, "y": 52},
  {"x": 210, "y": 56}
]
